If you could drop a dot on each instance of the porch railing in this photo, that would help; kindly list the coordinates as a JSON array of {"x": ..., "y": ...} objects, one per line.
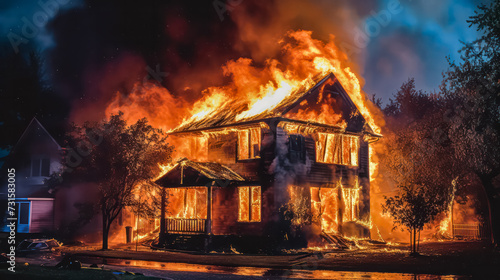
[
  {"x": 185, "y": 225},
  {"x": 468, "y": 231}
]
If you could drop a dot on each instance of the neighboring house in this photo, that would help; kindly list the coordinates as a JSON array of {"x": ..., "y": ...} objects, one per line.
[
  {"x": 43, "y": 211},
  {"x": 35, "y": 156},
  {"x": 287, "y": 172}
]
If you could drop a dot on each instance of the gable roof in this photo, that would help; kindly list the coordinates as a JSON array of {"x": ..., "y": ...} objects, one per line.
[
  {"x": 189, "y": 173},
  {"x": 36, "y": 127},
  {"x": 227, "y": 115}
]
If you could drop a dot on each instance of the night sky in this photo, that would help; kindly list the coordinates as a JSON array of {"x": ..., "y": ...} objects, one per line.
[{"x": 91, "y": 48}]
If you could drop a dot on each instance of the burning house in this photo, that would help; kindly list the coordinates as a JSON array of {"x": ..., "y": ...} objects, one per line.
[{"x": 295, "y": 169}]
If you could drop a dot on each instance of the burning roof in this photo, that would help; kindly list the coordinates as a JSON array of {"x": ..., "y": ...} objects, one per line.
[{"x": 293, "y": 106}]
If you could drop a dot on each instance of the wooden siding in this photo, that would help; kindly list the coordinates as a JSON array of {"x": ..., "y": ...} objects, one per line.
[
  {"x": 42, "y": 216},
  {"x": 225, "y": 213}
]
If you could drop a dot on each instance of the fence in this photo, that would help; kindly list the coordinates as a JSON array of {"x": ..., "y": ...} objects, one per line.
[{"x": 474, "y": 231}]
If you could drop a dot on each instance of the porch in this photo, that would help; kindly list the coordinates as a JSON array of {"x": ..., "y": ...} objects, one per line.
[{"x": 188, "y": 186}]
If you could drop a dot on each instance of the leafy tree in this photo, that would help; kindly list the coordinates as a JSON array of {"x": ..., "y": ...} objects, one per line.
[
  {"x": 118, "y": 158},
  {"x": 472, "y": 91},
  {"x": 413, "y": 208},
  {"x": 418, "y": 158}
]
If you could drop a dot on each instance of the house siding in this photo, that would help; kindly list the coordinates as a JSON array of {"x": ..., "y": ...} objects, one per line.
[{"x": 42, "y": 216}]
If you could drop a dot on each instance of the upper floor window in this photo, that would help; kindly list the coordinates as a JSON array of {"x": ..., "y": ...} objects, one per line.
[
  {"x": 297, "y": 148},
  {"x": 249, "y": 204},
  {"x": 249, "y": 143},
  {"x": 40, "y": 166},
  {"x": 337, "y": 149}
]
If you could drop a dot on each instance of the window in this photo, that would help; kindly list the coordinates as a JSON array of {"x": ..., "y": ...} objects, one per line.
[
  {"x": 23, "y": 210},
  {"x": 187, "y": 203},
  {"x": 337, "y": 149},
  {"x": 249, "y": 204},
  {"x": 351, "y": 204},
  {"x": 40, "y": 166},
  {"x": 296, "y": 148},
  {"x": 249, "y": 143}
]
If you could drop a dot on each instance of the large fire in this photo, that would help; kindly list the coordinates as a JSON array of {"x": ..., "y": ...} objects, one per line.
[
  {"x": 254, "y": 92},
  {"x": 256, "y": 89}
]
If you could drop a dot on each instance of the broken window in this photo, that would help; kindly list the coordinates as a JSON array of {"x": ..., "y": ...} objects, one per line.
[
  {"x": 296, "y": 148},
  {"x": 337, "y": 149},
  {"x": 249, "y": 143},
  {"x": 249, "y": 209}
]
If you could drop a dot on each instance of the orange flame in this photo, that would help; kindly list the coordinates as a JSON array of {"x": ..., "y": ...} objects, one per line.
[{"x": 253, "y": 90}]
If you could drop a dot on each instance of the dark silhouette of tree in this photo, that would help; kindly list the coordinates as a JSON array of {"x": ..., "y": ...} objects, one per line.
[
  {"x": 419, "y": 159},
  {"x": 472, "y": 90},
  {"x": 413, "y": 208},
  {"x": 24, "y": 94},
  {"x": 117, "y": 157}
]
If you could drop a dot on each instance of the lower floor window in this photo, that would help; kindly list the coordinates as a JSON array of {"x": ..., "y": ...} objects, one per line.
[
  {"x": 23, "y": 210},
  {"x": 249, "y": 204},
  {"x": 187, "y": 203}
]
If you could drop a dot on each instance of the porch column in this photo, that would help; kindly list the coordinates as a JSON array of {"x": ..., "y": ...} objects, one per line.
[
  {"x": 209, "y": 209},
  {"x": 161, "y": 240}
]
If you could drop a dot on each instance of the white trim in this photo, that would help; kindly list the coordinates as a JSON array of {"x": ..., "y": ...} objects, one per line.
[{"x": 40, "y": 198}]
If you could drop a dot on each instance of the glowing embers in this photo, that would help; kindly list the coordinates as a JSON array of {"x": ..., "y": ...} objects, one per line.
[
  {"x": 249, "y": 204},
  {"x": 249, "y": 143},
  {"x": 325, "y": 209},
  {"x": 187, "y": 203},
  {"x": 337, "y": 149}
]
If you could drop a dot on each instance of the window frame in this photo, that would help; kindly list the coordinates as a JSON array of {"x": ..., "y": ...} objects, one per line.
[
  {"x": 301, "y": 153},
  {"x": 338, "y": 153},
  {"x": 250, "y": 149},
  {"x": 19, "y": 212},
  {"x": 39, "y": 160},
  {"x": 250, "y": 198}
]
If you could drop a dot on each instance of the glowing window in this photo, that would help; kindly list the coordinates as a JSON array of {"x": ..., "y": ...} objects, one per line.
[
  {"x": 249, "y": 143},
  {"x": 351, "y": 204},
  {"x": 187, "y": 203},
  {"x": 337, "y": 149},
  {"x": 249, "y": 209}
]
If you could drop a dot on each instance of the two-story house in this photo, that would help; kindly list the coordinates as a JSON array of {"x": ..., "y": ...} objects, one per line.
[
  {"x": 35, "y": 156},
  {"x": 295, "y": 172}
]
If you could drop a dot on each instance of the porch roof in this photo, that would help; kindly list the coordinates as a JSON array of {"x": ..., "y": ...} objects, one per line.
[{"x": 189, "y": 173}]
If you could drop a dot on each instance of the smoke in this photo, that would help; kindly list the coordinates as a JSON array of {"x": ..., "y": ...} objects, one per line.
[{"x": 101, "y": 48}]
